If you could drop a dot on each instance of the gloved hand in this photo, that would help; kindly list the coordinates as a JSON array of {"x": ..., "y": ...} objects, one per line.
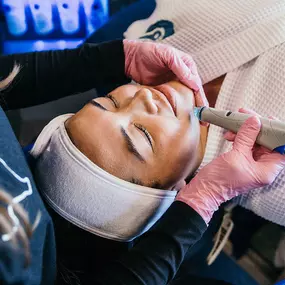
[
  {"x": 245, "y": 167},
  {"x": 153, "y": 64}
]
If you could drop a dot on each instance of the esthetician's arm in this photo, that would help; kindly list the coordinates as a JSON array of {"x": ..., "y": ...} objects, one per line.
[
  {"x": 50, "y": 75},
  {"x": 157, "y": 257}
]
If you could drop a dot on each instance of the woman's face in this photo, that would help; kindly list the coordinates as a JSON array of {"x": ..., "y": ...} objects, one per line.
[{"x": 145, "y": 135}]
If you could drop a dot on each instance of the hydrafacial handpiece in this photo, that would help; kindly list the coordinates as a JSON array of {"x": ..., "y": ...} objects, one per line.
[{"x": 272, "y": 133}]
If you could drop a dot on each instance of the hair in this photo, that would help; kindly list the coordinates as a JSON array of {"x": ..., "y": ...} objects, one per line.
[{"x": 9, "y": 79}]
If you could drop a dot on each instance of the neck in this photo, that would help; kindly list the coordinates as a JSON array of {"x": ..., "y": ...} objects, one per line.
[{"x": 202, "y": 144}]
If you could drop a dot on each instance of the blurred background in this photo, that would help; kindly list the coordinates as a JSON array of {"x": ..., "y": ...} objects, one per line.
[
  {"x": 39, "y": 25},
  {"x": 36, "y": 25},
  {"x": 255, "y": 244}
]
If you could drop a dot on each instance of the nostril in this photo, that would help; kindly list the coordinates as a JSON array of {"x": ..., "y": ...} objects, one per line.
[{"x": 146, "y": 99}]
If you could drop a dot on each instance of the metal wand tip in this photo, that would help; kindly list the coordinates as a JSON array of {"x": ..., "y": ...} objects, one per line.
[{"x": 197, "y": 112}]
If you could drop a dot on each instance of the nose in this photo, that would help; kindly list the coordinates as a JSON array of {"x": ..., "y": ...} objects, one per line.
[{"x": 144, "y": 98}]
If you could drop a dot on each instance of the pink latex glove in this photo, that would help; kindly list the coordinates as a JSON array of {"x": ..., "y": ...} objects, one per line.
[
  {"x": 153, "y": 64},
  {"x": 245, "y": 167}
]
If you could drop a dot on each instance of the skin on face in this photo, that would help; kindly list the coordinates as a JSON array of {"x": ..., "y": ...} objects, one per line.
[{"x": 137, "y": 134}]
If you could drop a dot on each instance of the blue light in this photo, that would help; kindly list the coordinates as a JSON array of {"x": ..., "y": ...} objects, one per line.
[
  {"x": 281, "y": 283},
  {"x": 61, "y": 44},
  {"x": 39, "y": 45},
  {"x": 69, "y": 16},
  {"x": 12, "y": 47},
  {"x": 15, "y": 16},
  {"x": 96, "y": 13},
  {"x": 49, "y": 24},
  {"x": 42, "y": 16}
]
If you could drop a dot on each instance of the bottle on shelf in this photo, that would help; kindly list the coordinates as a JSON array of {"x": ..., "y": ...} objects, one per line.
[
  {"x": 69, "y": 15},
  {"x": 42, "y": 16},
  {"x": 15, "y": 16}
]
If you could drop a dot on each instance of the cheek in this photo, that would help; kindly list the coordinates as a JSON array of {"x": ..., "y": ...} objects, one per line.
[
  {"x": 178, "y": 136},
  {"x": 169, "y": 129},
  {"x": 165, "y": 132}
]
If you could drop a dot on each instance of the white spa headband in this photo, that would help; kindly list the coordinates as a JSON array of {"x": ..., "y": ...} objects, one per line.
[{"x": 89, "y": 197}]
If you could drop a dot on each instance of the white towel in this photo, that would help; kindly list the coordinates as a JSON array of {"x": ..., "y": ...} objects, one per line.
[
  {"x": 88, "y": 196},
  {"x": 244, "y": 39},
  {"x": 258, "y": 85},
  {"x": 221, "y": 35}
]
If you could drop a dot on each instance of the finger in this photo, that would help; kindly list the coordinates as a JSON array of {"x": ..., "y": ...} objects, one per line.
[
  {"x": 193, "y": 81},
  {"x": 230, "y": 136},
  {"x": 274, "y": 162},
  {"x": 262, "y": 149},
  {"x": 273, "y": 118},
  {"x": 204, "y": 124},
  {"x": 273, "y": 158},
  {"x": 200, "y": 98},
  {"x": 259, "y": 151},
  {"x": 248, "y": 111},
  {"x": 201, "y": 101},
  {"x": 186, "y": 77},
  {"x": 247, "y": 134},
  {"x": 184, "y": 69},
  {"x": 270, "y": 166}
]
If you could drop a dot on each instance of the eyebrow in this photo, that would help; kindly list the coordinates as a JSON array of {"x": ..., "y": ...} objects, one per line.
[{"x": 131, "y": 147}]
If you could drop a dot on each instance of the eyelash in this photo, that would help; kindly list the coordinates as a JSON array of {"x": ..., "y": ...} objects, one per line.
[
  {"x": 115, "y": 102},
  {"x": 143, "y": 129}
]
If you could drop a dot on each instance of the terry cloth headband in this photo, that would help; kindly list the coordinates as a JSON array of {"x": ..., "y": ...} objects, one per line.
[{"x": 89, "y": 197}]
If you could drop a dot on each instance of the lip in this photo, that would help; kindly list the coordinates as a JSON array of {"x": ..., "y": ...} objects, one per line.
[
  {"x": 170, "y": 95},
  {"x": 161, "y": 97}
]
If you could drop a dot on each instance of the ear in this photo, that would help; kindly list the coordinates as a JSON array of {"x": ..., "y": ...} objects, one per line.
[{"x": 179, "y": 185}]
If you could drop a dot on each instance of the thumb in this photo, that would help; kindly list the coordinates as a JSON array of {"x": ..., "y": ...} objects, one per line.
[
  {"x": 182, "y": 68},
  {"x": 230, "y": 136},
  {"x": 247, "y": 134}
]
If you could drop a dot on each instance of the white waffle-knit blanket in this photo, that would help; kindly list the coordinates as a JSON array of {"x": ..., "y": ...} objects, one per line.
[{"x": 246, "y": 40}]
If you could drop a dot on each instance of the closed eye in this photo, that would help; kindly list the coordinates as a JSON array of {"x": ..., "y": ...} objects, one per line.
[
  {"x": 115, "y": 102},
  {"x": 146, "y": 133},
  {"x": 96, "y": 104}
]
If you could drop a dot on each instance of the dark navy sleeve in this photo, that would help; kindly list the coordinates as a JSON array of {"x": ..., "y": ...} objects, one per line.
[
  {"x": 16, "y": 179},
  {"x": 156, "y": 258},
  {"x": 50, "y": 75}
]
